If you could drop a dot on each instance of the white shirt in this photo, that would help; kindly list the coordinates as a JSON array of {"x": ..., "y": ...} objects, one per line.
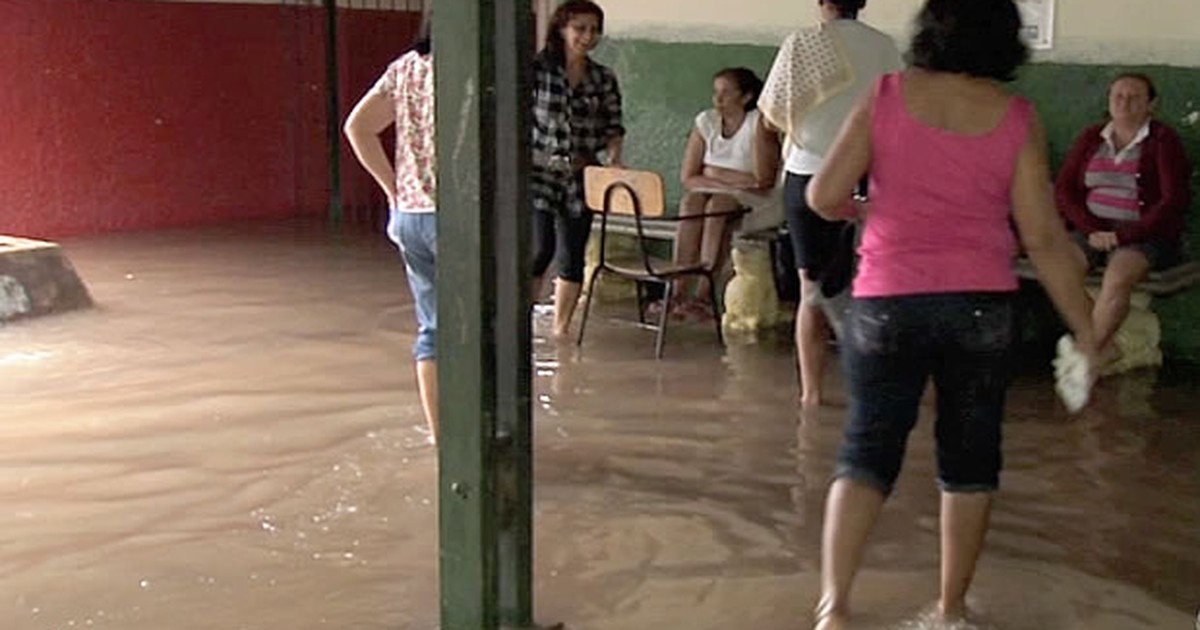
[
  {"x": 1129, "y": 150},
  {"x": 871, "y": 53},
  {"x": 735, "y": 152}
]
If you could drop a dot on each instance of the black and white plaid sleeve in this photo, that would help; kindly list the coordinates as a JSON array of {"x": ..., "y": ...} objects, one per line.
[{"x": 611, "y": 107}]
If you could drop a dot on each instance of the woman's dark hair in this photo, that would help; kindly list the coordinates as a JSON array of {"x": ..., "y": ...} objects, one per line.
[
  {"x": 848, "y": 9},
  {"x": 981, "y": 38},
  {"x": 747, "y": 82},
  {"x": 1137, "y": 76},
  {"x": 423, "y": 44},
  {"x": 555, "y": 45}
]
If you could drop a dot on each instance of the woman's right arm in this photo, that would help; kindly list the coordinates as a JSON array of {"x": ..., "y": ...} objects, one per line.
[
  {"x": 370, "y": 117},
  {"x": 1060, "y": 267},
  {"x": 614, "y": 128},
  {"x": 731, "y": 178},
  {"x": 693, "y": 174}
]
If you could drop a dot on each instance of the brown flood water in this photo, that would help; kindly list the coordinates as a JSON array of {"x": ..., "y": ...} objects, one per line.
[{"x": 231, "y": 440}]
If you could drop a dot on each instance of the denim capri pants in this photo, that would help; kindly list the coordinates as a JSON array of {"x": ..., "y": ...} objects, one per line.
[
  {"x": 893, "y": 346},
  {"x": 416, "y": 235}
]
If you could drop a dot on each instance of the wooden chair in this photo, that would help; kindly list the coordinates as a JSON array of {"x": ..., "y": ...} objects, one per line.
[{"x": 640, "y": 194}]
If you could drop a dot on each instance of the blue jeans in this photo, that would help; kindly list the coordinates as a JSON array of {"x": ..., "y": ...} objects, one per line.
[
  {"x": 416, "y": 235},
  {"x": 892, "y": 347}
]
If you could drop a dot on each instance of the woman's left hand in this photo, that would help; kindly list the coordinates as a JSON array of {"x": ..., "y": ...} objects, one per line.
[
  {"x": 738, "y": 180},
  {"x": 853, "y": 209},
  {"x": 1103, "y": 241}
]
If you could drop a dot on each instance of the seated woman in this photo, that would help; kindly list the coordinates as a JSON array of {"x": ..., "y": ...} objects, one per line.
[
  {"x": 717, "y": 165},
  {"x": 1124, "y": 189}
]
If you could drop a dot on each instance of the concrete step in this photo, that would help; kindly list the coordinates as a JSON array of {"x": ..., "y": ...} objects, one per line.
[{"x": 36, "y": 278}]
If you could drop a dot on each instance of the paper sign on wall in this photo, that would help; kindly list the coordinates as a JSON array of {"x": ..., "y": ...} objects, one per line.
[{"x": 1037, "y": 19}]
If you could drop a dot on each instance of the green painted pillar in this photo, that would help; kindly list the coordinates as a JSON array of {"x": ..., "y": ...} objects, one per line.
[
  {"x": 514, "y": 30},
  {"x": 481, "y": 57}
]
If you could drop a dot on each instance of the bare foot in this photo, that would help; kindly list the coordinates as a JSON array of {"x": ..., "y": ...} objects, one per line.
[
  {"x": 951, "y": 613},
  {"x": 832, "y": 621},
  {"x": 561, "y": 334},
  {"x": 810, "y": 401}
]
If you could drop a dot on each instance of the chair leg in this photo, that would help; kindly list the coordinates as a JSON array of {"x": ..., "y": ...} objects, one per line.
[
  {"x": 661, "y": 334},
  {"x": 587, "y": 304},
  {"x": 716, "y": 311},
  {"x": 640, "y": 288}
]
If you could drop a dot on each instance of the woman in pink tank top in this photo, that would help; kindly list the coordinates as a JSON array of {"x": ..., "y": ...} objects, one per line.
[{"x": 954, "y": 161}]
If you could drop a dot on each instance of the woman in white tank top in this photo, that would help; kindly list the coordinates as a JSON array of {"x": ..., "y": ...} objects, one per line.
[
  {"x": 728, "y": 153},
  {"x": 718, "y": 161}
]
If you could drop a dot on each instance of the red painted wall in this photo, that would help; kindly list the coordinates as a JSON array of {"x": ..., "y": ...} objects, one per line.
[
  {"x": 369, "y": 41},
  {"x": 122, "y": 115}
]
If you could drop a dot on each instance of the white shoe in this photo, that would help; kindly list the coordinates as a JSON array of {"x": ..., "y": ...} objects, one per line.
[{"x": 1073, "y": 375}]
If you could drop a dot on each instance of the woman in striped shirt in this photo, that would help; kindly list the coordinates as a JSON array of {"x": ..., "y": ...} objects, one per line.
[{"x": 1124, "y": 189}]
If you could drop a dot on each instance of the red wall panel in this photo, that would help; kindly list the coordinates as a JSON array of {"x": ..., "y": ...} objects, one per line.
[
  {"x": 131, "y": 115},
  {"x": 369, "y": 41}
]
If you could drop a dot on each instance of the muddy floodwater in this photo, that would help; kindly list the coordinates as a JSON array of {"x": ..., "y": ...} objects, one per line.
[{"x": 231, "y": 440}]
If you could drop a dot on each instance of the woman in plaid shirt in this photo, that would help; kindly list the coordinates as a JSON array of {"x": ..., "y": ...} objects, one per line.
[{"x": 576, "y": 120}]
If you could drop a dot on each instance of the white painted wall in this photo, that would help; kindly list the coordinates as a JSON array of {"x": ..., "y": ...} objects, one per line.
[{"x": 1086, "y": 31}]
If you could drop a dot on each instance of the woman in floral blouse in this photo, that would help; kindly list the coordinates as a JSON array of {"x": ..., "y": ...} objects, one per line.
[
  {"x": 404, "y": 97},
  {"x": 576, "y": 123}
]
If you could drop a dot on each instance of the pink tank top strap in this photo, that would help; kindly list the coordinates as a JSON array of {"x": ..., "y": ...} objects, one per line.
[{"x": 1018, "y": 123}]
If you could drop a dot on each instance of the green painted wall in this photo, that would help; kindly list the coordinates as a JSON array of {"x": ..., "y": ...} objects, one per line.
[{"x": 666, "y": 84}]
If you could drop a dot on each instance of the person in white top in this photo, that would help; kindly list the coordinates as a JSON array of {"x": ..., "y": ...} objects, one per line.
[
  {"x": 869, "y": 53},
  {"x": 718, "y": 162}
]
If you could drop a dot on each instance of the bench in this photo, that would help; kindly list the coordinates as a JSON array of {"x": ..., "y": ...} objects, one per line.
[
  {"x": 1139, "y": 336},
  {"x": 1157, "y": 284}
]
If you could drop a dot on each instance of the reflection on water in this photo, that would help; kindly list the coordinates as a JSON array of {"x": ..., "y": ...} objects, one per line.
[{"x": 232, "y": 440}]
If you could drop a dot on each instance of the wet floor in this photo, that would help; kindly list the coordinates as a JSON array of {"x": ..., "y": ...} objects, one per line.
[{"x": 232, "y": 440}]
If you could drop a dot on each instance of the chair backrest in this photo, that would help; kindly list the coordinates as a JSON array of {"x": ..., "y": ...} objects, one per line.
[{"x": 647, "y": 185}]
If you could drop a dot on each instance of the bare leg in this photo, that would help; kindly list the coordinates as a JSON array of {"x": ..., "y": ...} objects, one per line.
[
  {"x": 964, "y": 525},
  {"x": 715, "y": 245},
  {"x": 566, "y": 296},
  {"x": 850, "y": 514},
  {"x": 832, "y": 622},
  {"x": 427, "y": 388},
  {"x": 812, "y": 332},
  {"x": 1126, "y": 268},
  {"x": 688, "y": 236}
]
